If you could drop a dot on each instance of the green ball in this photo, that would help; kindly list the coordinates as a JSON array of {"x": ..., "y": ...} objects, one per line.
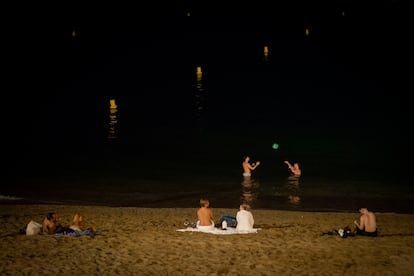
[{"x": 275, "y": 146}]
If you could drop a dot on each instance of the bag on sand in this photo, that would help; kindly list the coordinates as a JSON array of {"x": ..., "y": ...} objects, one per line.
[
  {"x": 230, "y": 220},
  {"x": 345, "y": 232},
  {"x": 33, "y": 228}
]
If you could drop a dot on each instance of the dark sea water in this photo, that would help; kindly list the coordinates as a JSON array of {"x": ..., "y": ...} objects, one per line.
[{"x": 117, "y": 114}]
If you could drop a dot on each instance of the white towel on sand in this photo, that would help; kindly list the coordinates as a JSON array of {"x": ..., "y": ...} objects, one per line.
[{"x": 219, "y": 231}]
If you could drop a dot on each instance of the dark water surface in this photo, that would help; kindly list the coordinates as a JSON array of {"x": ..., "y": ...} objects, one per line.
[{"x": 118, "y": 115}]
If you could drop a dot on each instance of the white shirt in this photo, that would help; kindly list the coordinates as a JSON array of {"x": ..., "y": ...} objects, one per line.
[{"x": 245, "y": 220}]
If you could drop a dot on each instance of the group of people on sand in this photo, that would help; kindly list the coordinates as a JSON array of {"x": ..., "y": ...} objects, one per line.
[
  {"x": 244, "y": 217},
  {"x": 366, "y": 226},
  {"x": 51, "y": 225}
]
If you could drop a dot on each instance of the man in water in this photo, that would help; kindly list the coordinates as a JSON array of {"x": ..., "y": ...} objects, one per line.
[
  {"x": 247, "y": 167},
  {"x": 367, "y": 225},
  {"x": 295, "y": 169}
]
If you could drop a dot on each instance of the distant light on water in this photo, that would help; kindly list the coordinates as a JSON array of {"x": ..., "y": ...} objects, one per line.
[
  {"x": 74, "y": 34},
  {"x": 266, "y": 53},
  {"x": 199, "y": 97},
  {"x": 199, "y": 73},
  {"x": 112, "y": 104},
  {"x": 113, "y": 119}
]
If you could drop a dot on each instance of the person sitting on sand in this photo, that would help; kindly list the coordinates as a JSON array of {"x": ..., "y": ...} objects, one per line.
[
  {"x": 50, "y": 224},
  {"x": 247, "y": 167},
  {"x": 367, "y": 225},
  {"x": 77, "y": 226},
  {"x": 295, "y": 169},
  {"x": 244, "y": 218},
  {"x": 76, "y": 223},
  {"x": 205, "y": 215}
]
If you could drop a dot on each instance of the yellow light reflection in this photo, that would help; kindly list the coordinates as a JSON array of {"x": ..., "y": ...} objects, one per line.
[
  {"x": 113, "y": 119},
  {"x": 199, "y": 97},
  {"x": 112, "y": 104},
  {"x": 307, "y": 32},
  {"x": 199, "y": 73},
  {"x": 266, "y": 53},
  {"x": 73, "y": 33},
  {"x": 188, "y": 14}
]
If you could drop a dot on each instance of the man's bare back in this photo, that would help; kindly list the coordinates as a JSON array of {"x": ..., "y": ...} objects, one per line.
[
  {"x": 204, "y": 213},
  {"x": 205, "y": 216},
  {"x": 367, "y": 221}
]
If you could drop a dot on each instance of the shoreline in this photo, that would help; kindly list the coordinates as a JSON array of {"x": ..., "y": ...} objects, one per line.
[{"x": 343, "y": 204}]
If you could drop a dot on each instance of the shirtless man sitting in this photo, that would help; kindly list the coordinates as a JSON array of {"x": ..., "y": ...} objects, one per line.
[
  {"x": 367, "y": 225},
  {"x": 205, "y": 215},
  {"x": 50, "y": 223}
]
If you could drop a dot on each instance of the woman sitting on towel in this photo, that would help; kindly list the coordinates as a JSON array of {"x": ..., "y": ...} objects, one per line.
[
  {"x": 244, "y": 218},
  {"x": 205, "y": 215}
]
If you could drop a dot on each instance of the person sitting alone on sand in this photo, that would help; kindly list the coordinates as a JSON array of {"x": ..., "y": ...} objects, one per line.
[
  {"x": 295, "y": 169},
  {"x": 367, "y": 225},
  {"x": 244, "y": 218},
  {"x": 247, "y": 167},
  {"x": 205, "y": 216},
  {"x": 50, "y": 224}
]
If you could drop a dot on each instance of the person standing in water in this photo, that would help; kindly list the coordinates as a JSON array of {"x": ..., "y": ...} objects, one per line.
[
  {"x": 295, "y": 169},
  {"x": 247, "y": 167}
]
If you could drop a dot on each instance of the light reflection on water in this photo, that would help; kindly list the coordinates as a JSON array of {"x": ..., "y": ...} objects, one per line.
[
  {"x": 250, "y": 190},
  {"x": 199, "y": 98},
  {"x": 293, "y": 186},
  {"x": 113, "y": 119}
]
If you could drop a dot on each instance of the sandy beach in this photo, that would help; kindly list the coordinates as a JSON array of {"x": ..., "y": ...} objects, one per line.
[{"x": 144, "y": 241}]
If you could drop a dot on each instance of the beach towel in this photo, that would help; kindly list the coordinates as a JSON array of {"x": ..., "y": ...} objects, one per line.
[
  {"x": 218, "y": 231},
  {"x": 87, "y": 232}
]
